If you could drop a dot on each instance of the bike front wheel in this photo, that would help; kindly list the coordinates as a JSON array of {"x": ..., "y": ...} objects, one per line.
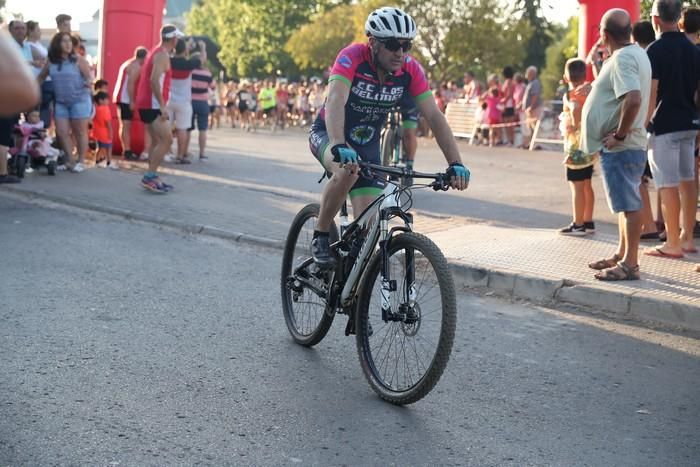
[
  {"x": 303, "y": 284},
  {"x": 404, "y": 357}
]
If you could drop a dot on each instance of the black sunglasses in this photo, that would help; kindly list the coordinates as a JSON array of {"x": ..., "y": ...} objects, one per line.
[{"x": 393, "y": 44}]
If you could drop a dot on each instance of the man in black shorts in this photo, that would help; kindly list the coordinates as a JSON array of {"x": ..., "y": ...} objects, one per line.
[{"x": 124, "y": 95}]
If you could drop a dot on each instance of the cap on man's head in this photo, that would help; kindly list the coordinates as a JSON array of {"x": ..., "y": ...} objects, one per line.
[{"x": 170, "y": 31}]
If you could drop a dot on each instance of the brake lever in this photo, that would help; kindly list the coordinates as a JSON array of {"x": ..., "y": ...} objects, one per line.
[{"x": 441, "y": 184}]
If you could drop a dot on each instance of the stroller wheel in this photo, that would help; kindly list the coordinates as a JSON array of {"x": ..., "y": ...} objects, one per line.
[
  {"x": 21, "y": 165},
  {"x": 51, "y": 167}
]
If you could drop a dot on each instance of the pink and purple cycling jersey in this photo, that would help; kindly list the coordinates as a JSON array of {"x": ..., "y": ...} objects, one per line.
[{"x": 370, "y": 101}]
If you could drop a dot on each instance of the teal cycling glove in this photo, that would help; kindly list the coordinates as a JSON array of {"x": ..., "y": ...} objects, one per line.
[
  {"x": 343, "y": 154},
  {"x": 458, "y": 170}
]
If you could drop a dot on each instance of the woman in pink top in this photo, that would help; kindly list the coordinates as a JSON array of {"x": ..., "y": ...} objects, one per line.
[
  {"x": 508, "y": 102},
  {"x": 493, "y": 102}
]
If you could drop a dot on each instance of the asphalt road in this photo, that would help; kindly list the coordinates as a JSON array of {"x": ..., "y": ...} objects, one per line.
[
  {"x": 124, "y": 344},
  {"x": 508, "y": 186}
]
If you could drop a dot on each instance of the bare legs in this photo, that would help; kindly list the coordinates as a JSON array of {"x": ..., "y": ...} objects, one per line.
[
  {"x": 161, "y": 139},
  {"x": 677, "y": 201},
  {"x": 582, "y": 201}
]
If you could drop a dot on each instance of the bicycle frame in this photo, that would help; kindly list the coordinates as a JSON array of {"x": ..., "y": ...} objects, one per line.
[{"x": 375, "y": 221}]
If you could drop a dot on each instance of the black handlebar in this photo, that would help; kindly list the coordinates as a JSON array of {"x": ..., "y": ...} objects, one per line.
[{"x": 441, "y": 181}]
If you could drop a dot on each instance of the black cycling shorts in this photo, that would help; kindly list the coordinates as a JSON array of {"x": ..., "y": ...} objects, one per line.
[
  {"x": 125, "y": 112},
  {"x": 579, "y": 175},
  {"x": 149, "y": 116},
  {"x": 319, "y": 141}
]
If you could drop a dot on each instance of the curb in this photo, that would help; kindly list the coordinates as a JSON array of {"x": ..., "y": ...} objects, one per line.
[
  {"x": 637, "y": 306},
  {"x": 200, "y": 229}
]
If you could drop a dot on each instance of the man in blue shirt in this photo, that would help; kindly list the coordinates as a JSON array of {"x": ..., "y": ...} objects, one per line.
[{"x": 18, "y": 30}]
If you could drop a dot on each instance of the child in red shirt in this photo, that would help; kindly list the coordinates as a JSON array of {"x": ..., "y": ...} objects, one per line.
[{"x": 102, "y": 131}]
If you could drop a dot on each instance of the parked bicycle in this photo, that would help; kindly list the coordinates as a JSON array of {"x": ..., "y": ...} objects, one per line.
[{"x": 393, "y": 284}]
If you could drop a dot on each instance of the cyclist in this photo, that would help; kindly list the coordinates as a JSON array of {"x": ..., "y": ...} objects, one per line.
[
  {"x": 366, "y": 81},
  {"x": 409, "y": 122}
]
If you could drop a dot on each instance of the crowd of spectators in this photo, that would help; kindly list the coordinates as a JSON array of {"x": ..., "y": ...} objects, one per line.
[{"x": 642, "y": 116}]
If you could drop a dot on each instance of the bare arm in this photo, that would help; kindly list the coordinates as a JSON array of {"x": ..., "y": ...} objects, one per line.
[
  {"x": 84, "y": 67},
  {"x": 202, "y": 52},
  {"x": 630, "y": 108},
  {"x": 443, "y": 134},
  {"x": 160, "y": 66},
  {"x": 133, "y": 76},
  {"x": 631, "y": 105},
  {"x": 41, "y": 77},
  {"x": 576, "y": 117},
  {"x": 338, "y": 93},
  {"x": 19, "y": 90}
]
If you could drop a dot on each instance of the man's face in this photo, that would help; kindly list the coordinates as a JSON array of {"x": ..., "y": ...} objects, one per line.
[
  {"x": 64, "y": 26},
  {"x": 468, "y": 79},
  {"x": 530, "y": 75},
  {"x": 389, "y": 60},
  {"x": 18, "y": 31}
]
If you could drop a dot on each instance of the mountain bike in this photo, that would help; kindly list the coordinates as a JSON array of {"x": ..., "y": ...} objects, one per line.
[{"x": 393, "y": 284}]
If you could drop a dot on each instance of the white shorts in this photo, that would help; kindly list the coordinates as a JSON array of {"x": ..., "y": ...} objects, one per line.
[
  {"x": 180, "y": 114},
  {"x": 671, "y": 158}
]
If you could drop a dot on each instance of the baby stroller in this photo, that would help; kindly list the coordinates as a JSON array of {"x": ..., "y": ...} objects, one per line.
[{"x": 32, "y": 149}]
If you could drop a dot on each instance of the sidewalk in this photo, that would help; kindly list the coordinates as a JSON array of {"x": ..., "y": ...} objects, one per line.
[{"x": 530, "y": 263}]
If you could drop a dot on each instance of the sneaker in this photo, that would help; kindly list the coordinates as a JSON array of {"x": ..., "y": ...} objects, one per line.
[
  {"x": 589, "y": 226},
  {"x": 61, "y": 168},
  {"x": 169, "y": 158},
  {"x": 77, "y": 168},
  {"x": 28, "y": 170},
  {"x": 321, "y": 252},
  {"x": 143, "y": 156},
  {"x": 153, "y": 184},
  {"x": 130, "y": 156},
  {"x": 101, "y": 164},
  {"x": 9, "y": 179},
  {"x": 166, "y": 186},
  {"x": 573, "y": 230},
  {"x": 113, "y": 165}
]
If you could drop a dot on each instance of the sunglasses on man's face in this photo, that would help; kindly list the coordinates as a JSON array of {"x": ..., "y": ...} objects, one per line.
[{"x": 393, "y": 44}]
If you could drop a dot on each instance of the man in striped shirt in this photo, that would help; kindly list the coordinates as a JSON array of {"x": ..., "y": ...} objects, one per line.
[{"x": 201, "y": 82}]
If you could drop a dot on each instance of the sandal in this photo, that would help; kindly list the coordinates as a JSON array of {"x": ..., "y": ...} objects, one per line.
[
  {"x": 605, "y": 263},
  {"x": 621, "y": 272}
]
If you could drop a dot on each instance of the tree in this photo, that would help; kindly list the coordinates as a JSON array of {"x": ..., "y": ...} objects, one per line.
[
  {"x": 252, "y": 33},
  {"x": 557, "y": 54},
  {"x": 484, "y": 39},
  {"x": 435, "y": 21},
  {"x": 541, "y": 38},
  {"x": 314, "y": 46}
]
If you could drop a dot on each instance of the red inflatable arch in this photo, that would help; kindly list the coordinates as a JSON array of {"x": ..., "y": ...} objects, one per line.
[
  {"x": 125, "y": 25},
  {"x": 590, "y": 14}
]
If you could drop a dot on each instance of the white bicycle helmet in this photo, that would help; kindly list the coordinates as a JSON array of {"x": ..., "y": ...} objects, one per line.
[{"x": 384, "y": 23}]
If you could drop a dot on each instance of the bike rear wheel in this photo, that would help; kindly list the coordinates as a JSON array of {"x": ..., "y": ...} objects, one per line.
[
  {"x": 304, "y": 310},
  {"x": 403, "y": 360}
]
